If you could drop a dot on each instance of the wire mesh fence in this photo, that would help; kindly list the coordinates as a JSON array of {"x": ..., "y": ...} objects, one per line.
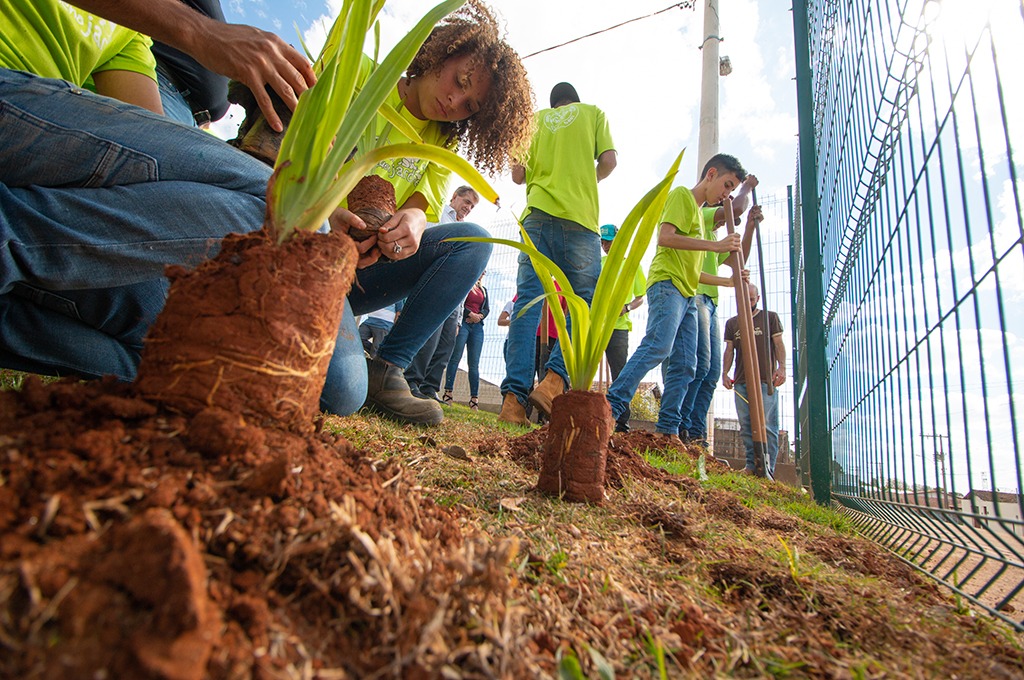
[{"x": 908, "y": 262}]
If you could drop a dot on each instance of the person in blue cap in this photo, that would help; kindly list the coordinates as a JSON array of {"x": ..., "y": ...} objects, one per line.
[{"x": 618, "y": 346}]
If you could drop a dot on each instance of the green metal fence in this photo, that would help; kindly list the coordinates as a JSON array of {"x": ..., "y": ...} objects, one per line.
[{"x": 908, "y": 273}]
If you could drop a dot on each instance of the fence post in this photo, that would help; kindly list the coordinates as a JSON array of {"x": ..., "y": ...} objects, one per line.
[{"x": 815, "y": 395}]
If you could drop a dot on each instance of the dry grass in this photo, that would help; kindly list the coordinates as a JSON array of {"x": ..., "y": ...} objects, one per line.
[{"x": 672, "y": 577}]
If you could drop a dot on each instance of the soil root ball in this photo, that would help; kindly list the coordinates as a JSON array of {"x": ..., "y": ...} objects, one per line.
[{"x": 576, "y": 451}]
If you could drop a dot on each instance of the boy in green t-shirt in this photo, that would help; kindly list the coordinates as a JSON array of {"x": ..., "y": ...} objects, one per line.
[
  {"x": 697, "y": 401},
  {"x": 672, "y": 282}
]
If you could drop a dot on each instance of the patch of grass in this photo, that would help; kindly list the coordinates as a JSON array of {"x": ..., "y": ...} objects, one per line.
[
  {"x": 816, "y": 514},
  {"x": 672, "y": 462}
]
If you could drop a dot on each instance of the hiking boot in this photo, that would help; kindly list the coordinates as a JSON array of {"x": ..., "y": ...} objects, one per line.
[
  {"x": 388, "y": 393},
  {"x": 512, "y": 411},
  {"x": 550, "y": 387},
  {"x": 670, "y": 440}
]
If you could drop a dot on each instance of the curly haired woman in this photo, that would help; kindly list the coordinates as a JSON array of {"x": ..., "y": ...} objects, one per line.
[{"x": 465, "y": 89}]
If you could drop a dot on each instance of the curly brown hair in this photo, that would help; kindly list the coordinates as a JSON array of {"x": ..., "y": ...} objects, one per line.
[{"x": 499, "y": 133}]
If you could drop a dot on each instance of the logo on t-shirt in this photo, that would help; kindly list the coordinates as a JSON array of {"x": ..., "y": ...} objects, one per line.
[{"x": 562, "y": 117}]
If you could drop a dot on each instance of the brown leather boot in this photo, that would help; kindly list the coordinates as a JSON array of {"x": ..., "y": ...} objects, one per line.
[
  {"x": 550, "y": 387},
  {"x": 512, "y": 411},
  {"x": 388, "y": 393}
]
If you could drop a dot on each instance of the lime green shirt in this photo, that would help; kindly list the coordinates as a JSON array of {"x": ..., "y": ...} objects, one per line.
[
  {"x": 681, "y": 267},
  {"x": 56, "y": 40},
  {"x": 411, "y": 175},
  {"x": 561, "y": 178},
  {"x": 639, "y": 288},
  {"x": 712, "y": 261}
]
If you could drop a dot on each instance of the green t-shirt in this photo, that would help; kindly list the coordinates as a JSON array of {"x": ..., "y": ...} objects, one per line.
[
  {"x": 681, "y": 267},
  {"x": 411, "y": 175},
  {"x": 712, "y": 261},
  {"x": 561, "y": 178},
  {"x": 639, "y": 288},
  {"x": 56, "y": 40}
]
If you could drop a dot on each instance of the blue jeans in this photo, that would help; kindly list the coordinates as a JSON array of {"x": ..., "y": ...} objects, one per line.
[
  {"x": 577, "y": 252},
  {"x": 96, "y": 197},
  {"x": 426, "y": 371},
  {"x": 671, "y": 335},
  {"x": 176, "y": 107},
  {"x": 709, "y": 369},
  {"x": 771, "y": 424},
  {"x": 471, "y": 338},
  {"x": 433, "y": 282}
]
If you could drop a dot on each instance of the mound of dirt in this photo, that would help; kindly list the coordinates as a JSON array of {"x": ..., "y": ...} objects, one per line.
[{"x": 137, "y": 544}]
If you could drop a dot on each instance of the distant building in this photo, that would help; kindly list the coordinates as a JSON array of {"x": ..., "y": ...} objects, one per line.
[{"x": 999, "y": 505}]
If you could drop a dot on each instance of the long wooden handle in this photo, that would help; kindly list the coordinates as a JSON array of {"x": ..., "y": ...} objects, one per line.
[{"x": 749, "y": 350}]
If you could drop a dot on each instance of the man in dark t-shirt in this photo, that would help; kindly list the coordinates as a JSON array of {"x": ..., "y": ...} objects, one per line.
[{"x": 771, "y": 361}]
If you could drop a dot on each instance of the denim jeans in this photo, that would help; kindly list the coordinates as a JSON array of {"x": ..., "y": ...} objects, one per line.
[
  {"x": 433, "y": 282},
  {"x": 709, "y": 369},
  {"x": 616, "y": 353},
  {"x": 470, "y": 338},
  {"x": 671, "y": 337},
  {"x": 426, "y": 371},
  {"x": 176, "y": 107},
  {"x": 577, "y": 252},
  {"x": 96, "y": 197},
  {"x": 372, "y": 332},
  {"x": 771, "y": 424}
]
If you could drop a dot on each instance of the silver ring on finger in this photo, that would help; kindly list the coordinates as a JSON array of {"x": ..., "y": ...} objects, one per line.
[{"x": 396, "y": 249}]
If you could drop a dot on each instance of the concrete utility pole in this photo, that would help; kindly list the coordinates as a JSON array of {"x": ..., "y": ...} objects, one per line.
[{"x": 707, "y": 145}]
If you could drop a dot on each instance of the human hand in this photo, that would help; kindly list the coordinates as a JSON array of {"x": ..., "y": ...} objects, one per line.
[
  {"x": 342, "y": 220},
  {"x": 727, "y": 382},
  {"x": 257, "y": 59},
  {"x": 779, "y": 376},
  {"x": 754, "y": 217},
  {"x": 729, "y": 243},
  {"x": 750, "y": 182},
  {"x": 399, "y": 237}
]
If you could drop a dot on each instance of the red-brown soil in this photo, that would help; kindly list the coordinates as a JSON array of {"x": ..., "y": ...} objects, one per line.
[
  {"x": 373, "y": 199},
  {"x": 132, "y": 547},
  {"x": 262, "y": 321}
]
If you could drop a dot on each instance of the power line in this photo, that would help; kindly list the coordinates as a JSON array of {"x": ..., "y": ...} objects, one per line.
[{"x": 687, "y": 4}]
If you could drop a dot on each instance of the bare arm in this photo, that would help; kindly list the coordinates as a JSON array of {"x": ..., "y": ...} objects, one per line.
[
  {"x": 632, "y": 304},
  {"x": 727, "y": 382},
  {"x": 606, "y": 162},
  {"x": 504, "y": 319},
  {"x": 131, "y": 87},
  {"x": 670, "y": 238},
  {"x": 739, "y": 202},
  {"x": 779, "y": 375},
  {"x": 518, "y": 174},
  {"x": 754, "y": 219},
  {"x": 713, "y": 280},
  {"x": 243, "y": 53}
]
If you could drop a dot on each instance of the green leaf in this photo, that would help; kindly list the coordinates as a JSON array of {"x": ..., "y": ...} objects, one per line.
[{"x": 569, "y": 666}]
